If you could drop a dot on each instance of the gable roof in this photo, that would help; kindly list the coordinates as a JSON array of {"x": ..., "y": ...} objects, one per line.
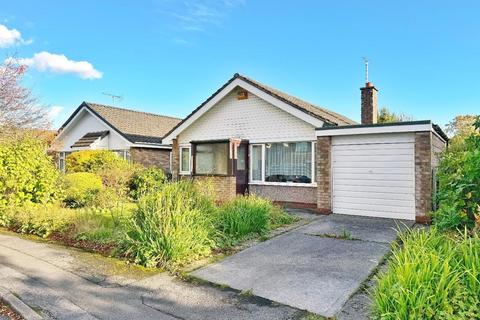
[
  {"x": 135, "y": 126},
  {"x": 319, "y": 112},
  {"x": 330, "y": 118}
]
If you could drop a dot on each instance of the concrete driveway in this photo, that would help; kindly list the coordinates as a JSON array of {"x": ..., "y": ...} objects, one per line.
[{"x": 308, "y": 268}]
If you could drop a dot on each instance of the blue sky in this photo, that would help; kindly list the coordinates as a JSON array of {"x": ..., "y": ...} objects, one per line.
[{"x": 167, "y": 56}]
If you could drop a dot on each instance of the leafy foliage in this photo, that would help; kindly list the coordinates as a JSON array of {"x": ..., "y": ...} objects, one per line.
[
  {"x": 114, "y": 171},
  {"x": 93, "y": 161},
  {"x": 80, "y": 188},
  {"x": 432, "y": 276},
  {"x": 145, "y": 181},
  {"x": 27, "y": 173},
  {"x": 37, "y": 219},
  {"x": 460, "y": 128},
  {"x": 459, "y": 185},
  {"x": 386, "y": 116}
]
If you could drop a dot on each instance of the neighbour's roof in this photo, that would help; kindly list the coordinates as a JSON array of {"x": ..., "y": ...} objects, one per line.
[
  {"x": 88, "y": 139},
  {"x": 135, "y": 126},
  {"x": 314, "y": 110}
]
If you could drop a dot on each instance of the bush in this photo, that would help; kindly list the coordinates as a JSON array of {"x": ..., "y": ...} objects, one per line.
[
  {"x": 459, "y": 185},
  {"x": 145, "y": 181},
  {"x": 39, "y": 220},
  {"x": 432, "y": 276},
  {"x": 171, "y": 226},
  {"x": 27, "y": 173},
  {"x": 80, "y": 188},
  {"x": 93, "y": 161}
]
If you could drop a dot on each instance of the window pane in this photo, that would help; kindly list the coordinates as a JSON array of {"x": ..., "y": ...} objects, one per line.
[
  {"x": 211, "y": 158},
  {"x": 241, "y": 157},
  {"x": 256, "y": 163},
  {"x": 288, "y": 162},
  {"x": 185, "y": 159}
]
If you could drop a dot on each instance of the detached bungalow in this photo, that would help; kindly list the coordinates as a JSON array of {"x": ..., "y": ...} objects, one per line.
[
  {"x": 133, "y": 135},
  {"x": 248, "y": 137}
]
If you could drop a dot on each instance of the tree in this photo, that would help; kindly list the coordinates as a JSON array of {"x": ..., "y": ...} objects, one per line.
[
  {"x": 386, "y": 116},
  {"x": 460, "y": 128},
  {"x": 20, "y": 111}
]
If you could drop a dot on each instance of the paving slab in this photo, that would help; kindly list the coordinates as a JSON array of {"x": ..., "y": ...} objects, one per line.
[
  {"x": 309, "y": 272},
  {"x": 361, "y": 228}
]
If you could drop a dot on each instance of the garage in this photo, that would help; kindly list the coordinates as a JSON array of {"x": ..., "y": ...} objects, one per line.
[
  {"x": 374, "y": 175},
  {"x": 384, "y": 170}
]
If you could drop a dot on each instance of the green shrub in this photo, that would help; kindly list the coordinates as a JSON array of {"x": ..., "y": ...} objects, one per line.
[
  {"x": 459, "y": 185},
  {"x": 432, "y": 276},
  {"x": 81, "y": 188},
  {"x": 39, "y": 220},
  {"x": 247, "y": 216},
  {"x": 93, "y": 161},
  {"x": 27, "y": 173},
  {"x": 171, "y": 226},
  {"x": 145, "y": 181}
]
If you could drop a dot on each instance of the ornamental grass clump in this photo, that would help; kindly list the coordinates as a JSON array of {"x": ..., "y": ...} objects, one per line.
[
  {"x": 430, "y": 276},
  {"x": 171, "y": 227},
  {"x": 246, "y": 216}
]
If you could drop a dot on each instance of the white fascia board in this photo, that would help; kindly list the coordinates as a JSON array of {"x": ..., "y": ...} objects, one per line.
[
  {"x": 371, "y": 130},
  {"x": 152, "y": 146},
  {"x": 261, "y": 94},
  {"x": 65, "y": 129}
]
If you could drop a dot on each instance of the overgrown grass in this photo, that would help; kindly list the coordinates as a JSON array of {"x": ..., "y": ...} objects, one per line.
[
  {"x": 247, "y": 216},
  {"x": 171, "y": 226},
  {"x": 175, "y": 224},
  {"x": 431, "y": 275}
]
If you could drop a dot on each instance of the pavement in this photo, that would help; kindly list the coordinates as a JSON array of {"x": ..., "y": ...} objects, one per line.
[
  {"x": 310, "y": 268},
  {"x": 65, "y": 283}
]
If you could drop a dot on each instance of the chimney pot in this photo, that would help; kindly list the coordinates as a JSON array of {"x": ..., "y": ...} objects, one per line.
[{"x": 369, "y": 104}]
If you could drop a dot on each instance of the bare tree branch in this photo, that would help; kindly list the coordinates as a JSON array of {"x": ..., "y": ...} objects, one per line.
[{"x": 19, "y": 109}]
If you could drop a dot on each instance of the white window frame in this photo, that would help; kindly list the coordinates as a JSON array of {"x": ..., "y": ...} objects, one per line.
[
  {"x": 62, "y": 156},
  {"x": 182, "y": 171},
  {"x": 293, "y": 184}
]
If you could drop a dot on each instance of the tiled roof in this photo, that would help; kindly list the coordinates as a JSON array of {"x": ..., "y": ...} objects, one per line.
[
  {"x": 135, "y": 124},
  {"x": 316, "y": 111},
  {"x": 89, "y": 138}
]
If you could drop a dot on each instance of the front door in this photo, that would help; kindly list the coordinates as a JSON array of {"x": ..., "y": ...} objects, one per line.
[{"x": 241, "y": 167}]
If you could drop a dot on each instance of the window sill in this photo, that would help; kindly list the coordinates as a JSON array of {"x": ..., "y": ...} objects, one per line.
[{"x": 285, "y": 184}]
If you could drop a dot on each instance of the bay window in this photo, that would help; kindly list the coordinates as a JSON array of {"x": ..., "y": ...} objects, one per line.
[
  {"x": 211, "y": 158},
  {"x": 283, "y": 162}
]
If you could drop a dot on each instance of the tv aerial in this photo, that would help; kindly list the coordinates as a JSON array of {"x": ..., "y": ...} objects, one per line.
[{"x": 113, "y": 96}]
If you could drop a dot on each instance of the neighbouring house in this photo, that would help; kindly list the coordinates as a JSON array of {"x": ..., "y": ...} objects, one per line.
[
  {"x": 250, "y": 138},
  {"x": 133, "y": 135}
]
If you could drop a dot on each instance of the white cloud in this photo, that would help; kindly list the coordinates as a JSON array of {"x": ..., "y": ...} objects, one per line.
[
  {"x": 10, "y": 37},
  {"x": 54, "y": 111},
  {"x": 59, "y": 63}
]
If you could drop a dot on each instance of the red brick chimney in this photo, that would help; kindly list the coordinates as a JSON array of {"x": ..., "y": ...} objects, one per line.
[{"x": 369, "y": 104}]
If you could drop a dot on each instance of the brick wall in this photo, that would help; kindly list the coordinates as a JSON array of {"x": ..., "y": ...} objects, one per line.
[
  {"x": 323, "y": 172},
  {"x": 423, "y": 175},
  {"x": 151, "y": 157},
  {"x": 175, "y": 160},
  {"x": 293, "y": 194},
  {"x": 225, "y": 187},
  {"x": 369, "y": 109}
]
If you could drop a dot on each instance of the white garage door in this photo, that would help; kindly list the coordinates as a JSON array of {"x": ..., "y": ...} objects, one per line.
[{"x": 374, "y": 175}]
